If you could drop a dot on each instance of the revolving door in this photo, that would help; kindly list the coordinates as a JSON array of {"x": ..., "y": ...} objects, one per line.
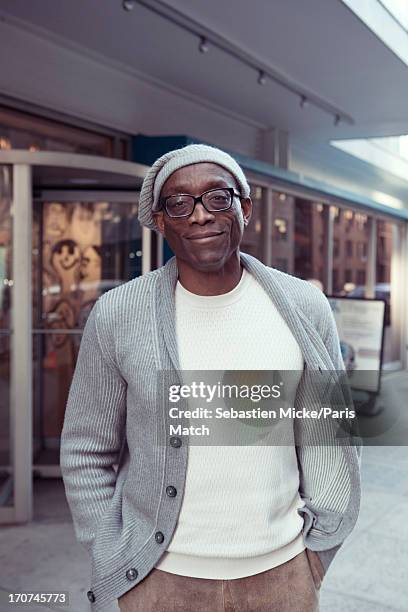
[{"x": 69, "y": 232}]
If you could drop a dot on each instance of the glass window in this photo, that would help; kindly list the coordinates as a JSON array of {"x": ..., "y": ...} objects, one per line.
[
  {"x": 337, "y": 214},
  {"x": 335, "y": 278},
  {"x": 350, "y": 249},
  {"x": 282, "y": 264},
  {"x": 6, "y": 284},
  {"x": 19, "y": 130},
  {"x": 298, "y": 246},
  {"x": 283, "y": 252},
  {"x": 86, "y": 249},
  {"x": 336, "y": 248},
  {"x": 280, "y": 229},
  {"x": 384, "y": 289},
  {"x": 349, "y": 218},
  {"x": 309, "y": 236},
  {"x": 82, "y": 249},
  {"x": 252, "y": 240},
  {"x": 362, "y": 250},
  {"x": 350, "y": 274},
  {"x": 361, "y": 277},
  {"x": 5, "y": 247}
]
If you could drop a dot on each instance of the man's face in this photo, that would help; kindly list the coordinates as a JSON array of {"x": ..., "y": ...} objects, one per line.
[{"x": 205, "y": 240}]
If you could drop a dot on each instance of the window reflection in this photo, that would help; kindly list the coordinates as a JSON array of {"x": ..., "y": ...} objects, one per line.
[
  {"x": 252, "y": 239},
  {"x": 80, "y": 250},
  {"x": 6, "y": 281},
  {"x": 309, "y": 241},
  {"x": 385, "y": 232},
  {"x": 6, "y": 284},
  {"x": 87, "y": 249},
  {"x": 21, "y": 130},
  {"x": 350, "y": 249},
  {"x": 282, "y": 232}
]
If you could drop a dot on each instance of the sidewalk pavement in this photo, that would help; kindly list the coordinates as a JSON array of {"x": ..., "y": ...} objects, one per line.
[{"x": 368, "y": 574}]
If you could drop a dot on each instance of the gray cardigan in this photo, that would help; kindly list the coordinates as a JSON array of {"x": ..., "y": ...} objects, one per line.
[{"x": 124, "y": 476}]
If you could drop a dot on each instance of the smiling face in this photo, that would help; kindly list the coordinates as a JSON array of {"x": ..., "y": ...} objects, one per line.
[
  {"x": 206, "y": 240},
  {"x": 65, "y": 255}
]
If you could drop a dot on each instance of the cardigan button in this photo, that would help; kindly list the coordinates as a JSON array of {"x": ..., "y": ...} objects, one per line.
[
  {"x": 90, "y": 595},
  {"x": 132, "y": 574},
  {"x": 175, "y": 442},
  {"x": 159, "y": 537},
  {"x": 171, "y": 491}
]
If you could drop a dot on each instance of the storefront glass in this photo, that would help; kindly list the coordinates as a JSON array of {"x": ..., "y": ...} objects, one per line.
[
  {"x": 283, "y": 232},
  {"x": 309, "y": 241},
  {"x": 387, "y": 288},
  {"x": 252, "y": 241},
  {"x": 21, "y": 130},
  {"x": 300, "y": 246},
  {"x": 298, "y": 237},
  {"x": 83, "y": 248},
  {"x": 6, "y": 283},
  {"x": 351, "y": 233}
]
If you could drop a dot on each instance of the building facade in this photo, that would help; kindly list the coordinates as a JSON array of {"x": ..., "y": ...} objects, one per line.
[{"x": 69, "y": 232}]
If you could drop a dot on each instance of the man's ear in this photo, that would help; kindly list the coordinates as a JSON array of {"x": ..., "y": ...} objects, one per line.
[
  {"x": 159, "y": 220},
  {"x": 246, "y": 207}
]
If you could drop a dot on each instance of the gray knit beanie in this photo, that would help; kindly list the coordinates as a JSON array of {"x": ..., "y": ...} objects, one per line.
[{"x": 174, "y": 160}]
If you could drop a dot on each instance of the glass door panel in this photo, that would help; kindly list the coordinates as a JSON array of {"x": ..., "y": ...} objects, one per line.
[
  {"x": 6, "y": 283},
  {"x": 85, "y": 246}
]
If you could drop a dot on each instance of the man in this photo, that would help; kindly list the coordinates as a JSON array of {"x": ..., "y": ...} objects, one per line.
[{"x": 179, "y": 527}]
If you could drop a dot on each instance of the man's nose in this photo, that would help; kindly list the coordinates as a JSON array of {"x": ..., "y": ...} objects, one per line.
[{"x": 201, "y": 215}]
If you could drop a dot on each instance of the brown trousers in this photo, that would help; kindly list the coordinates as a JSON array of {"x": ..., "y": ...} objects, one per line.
[{"x": 290, "y": 587}]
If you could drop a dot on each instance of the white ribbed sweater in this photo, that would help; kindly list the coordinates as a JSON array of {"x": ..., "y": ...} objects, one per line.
[{"x": 239, "y": 513}]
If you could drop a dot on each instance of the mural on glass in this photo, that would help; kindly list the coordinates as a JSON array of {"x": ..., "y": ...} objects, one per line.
[
  {"x": 86, "y": 249},
  {"x": 71, "y": 267}
]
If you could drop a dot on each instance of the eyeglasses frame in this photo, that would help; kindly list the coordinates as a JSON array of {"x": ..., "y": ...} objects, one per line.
[{"x": 200, "y": 199}]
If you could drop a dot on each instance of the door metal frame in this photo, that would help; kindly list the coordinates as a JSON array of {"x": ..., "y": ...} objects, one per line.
[
  {"x": 21, "y": 378},
  {"x": 20, "y": 351},
  {"x": 21, "y": 344}
]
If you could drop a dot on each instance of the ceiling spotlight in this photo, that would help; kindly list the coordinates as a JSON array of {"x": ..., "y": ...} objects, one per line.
[
  {"x": 203, "y": 46},
  {"x": 261, "y": 77},
  {"x": 337, "y": 120},
  {"x": 303, "y": 101},
  {"x": 128, "y": 5}
]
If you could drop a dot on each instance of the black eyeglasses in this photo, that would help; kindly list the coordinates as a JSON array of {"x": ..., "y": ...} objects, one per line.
[{"x": 213, "y": 200}]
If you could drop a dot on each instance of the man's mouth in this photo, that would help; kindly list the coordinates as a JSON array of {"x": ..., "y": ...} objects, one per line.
[{"x": 204, "y": 236}]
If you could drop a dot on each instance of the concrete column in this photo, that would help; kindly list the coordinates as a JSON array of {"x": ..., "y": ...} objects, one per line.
[
  {"x": 399, "y": 290},
  {"x": 274, "y": 147},
  {"x": 21, "y": 345},
  {"x": 372, "y": 259},
  {"x": 328, "y": 220},
  {"x": 146, "y": 250}
]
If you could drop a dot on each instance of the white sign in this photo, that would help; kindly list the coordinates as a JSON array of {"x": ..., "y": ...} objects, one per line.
[{"x": 360, "y": 326}]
